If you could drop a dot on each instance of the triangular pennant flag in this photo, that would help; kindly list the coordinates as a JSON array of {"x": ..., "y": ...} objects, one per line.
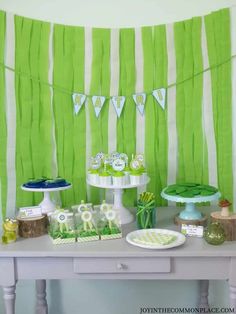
[
  {"x": 160, "y": 96},
  {"x": 98, "y": 102},
  {"x": 140, "y": 100},
  {"x": 78, "y": 100},
  {"x": 118, "y": 103}
]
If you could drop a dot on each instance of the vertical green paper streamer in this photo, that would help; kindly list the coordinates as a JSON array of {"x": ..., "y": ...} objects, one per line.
[
  {"x": 150, "y": 109},
  {"x": 126, "y": 124},
  {"x": 161, "y": 137},
  {"x": 63, "y": 107},
  {"x": 79, "y": 136},
  {"x": 3, "y": 127},
  {"x": 219, "y": 51},
  {"x": 24, "y": 165},
  {"x": 184, "y": 106},
  {"x": 33, "y": 145},
  {"x": 180, "y": 104},
  {"x": 45, "y": 111},
  {"x": 199, "y": 142},
  {"x": 100, "y": 85},
  {"x": 192, "y": 164}
]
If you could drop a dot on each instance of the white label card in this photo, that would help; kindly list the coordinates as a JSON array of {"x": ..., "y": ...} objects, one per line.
[
  {"x": 29, "y": 212},
  {"x": 192, "y": 230}
]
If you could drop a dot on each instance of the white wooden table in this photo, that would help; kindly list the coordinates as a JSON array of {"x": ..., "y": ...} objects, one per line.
[{"x": 39, "y": 259}]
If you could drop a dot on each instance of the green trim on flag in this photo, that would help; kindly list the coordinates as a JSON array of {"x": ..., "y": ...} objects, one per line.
[{"x": 219, "y": 51}]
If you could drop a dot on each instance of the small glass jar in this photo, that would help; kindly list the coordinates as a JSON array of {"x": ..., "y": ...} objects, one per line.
[{"x": 145, "y": 216}]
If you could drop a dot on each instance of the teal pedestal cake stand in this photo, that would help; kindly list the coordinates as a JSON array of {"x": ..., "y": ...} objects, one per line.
[{"x": 190, "y": 212}]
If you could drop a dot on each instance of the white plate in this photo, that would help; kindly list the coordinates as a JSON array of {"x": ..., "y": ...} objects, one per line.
[{"x": 134, "y": 236}]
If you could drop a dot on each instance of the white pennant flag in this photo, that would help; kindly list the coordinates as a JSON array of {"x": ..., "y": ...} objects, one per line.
[
  {"x": 140, "y": 100},
  {"x": 160, "y": 96},
  {"x": 78, "y": 100},
  {"x": 98, "y": 102},
  {"x": 118, "y": 103}
]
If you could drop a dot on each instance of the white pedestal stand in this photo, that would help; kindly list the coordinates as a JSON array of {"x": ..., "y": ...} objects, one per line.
[
  {"x": 125, "y": 215},
  {"x": 47, "y": 204}
]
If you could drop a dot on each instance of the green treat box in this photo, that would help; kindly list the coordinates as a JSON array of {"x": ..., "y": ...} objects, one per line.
[
  {"x": 61, "y": 227},
  {"x": 109, "y": 224},
  {"x": 86, "y": 229}
]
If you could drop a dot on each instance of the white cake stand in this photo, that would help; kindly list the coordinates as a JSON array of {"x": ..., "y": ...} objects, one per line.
[
  {"x": 125, "y": 215},
  {"x": 190, "y": 212},
  {"x": 47, "y": 204}
]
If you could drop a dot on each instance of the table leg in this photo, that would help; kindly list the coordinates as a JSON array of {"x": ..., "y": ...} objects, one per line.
[
  {"x": 9, "y": 296},
  {"x": 203, "y": 300},
  {"x": 41, "y": 300},
  {"x": 232, "y": 296}
]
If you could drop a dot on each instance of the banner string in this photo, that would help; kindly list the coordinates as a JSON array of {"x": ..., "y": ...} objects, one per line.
[{"x": 66, "y": 91}]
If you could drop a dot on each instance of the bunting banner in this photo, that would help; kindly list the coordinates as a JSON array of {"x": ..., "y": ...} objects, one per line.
[
  {"x": 98, "y": 102},
  {"x": 78, "y": 100}
]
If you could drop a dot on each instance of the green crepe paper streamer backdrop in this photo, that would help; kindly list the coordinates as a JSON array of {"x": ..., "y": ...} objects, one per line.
[
  {"x": 192, "y": 165},
  {"x": 3, "y": 127},
  {"x": 126, "y": 124},
  {"x": 100, "y": 85},
  {"x": 219, "y": 50},
  {"x": 33, "y": 122},
  {"x": 34, "y": 115}
]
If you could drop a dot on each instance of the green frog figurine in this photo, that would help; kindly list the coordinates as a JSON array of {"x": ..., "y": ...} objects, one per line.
[
  {"x": 214, "y": 234},
  {"x": 10, "y": 227}
]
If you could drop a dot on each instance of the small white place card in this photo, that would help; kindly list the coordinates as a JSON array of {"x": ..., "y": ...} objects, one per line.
[
  {"x": 30, "y": 212},
  {"x": 192, "y": 230}
]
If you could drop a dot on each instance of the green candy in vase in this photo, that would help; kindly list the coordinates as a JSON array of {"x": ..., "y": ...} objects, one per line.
[{"x": 214, "y": 234}]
